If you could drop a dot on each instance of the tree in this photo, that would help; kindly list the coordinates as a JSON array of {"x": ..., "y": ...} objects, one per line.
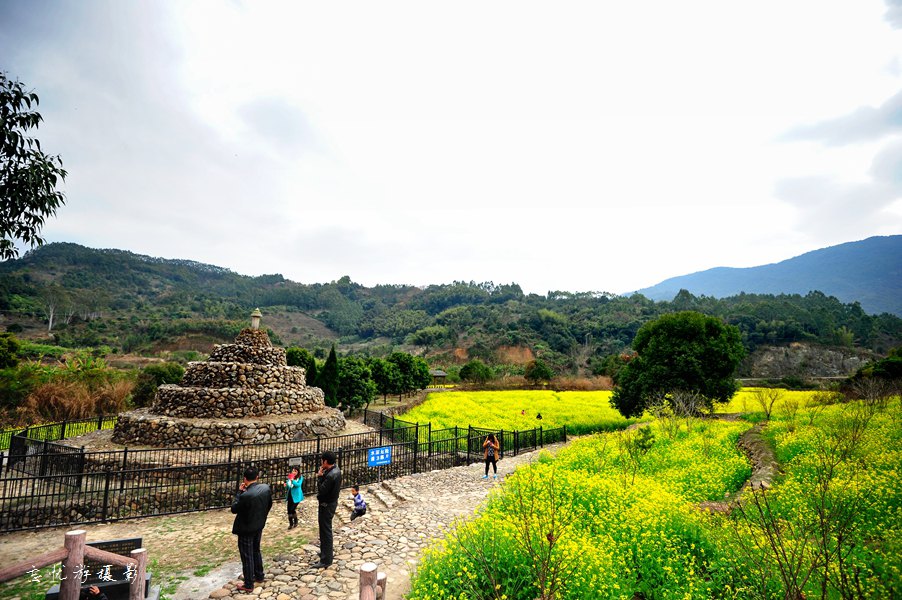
[
  {"x": 54, "y": 299},
  {"x": 537, "y": 371},
  {"x": 327, "y": 379},
  {"x": 475, "y": 370},
  {"x": 413, "y": 372},
  {"x": 28, "y": 177},
  {"x": 421, "y": 378},
  {"x": 685, "y": 352},
  {"x": 355, "y": 385},
  {"x": 301, "y": 357},
  {"x": 387, "y": 377},
  {"x": 434, "y": 335}
]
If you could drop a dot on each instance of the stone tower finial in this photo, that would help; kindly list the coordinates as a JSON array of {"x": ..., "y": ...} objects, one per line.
[{"x": 255, "y": 318}]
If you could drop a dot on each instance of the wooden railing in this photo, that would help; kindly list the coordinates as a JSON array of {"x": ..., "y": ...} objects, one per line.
[{"x": 72, "y": 555}]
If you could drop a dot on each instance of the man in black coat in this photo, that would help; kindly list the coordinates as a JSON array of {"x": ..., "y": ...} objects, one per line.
[
  {"x": 251, "y": 507},
  {"x": 328, "y": 480}
]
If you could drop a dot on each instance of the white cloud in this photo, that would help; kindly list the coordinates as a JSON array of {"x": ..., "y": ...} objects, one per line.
[{"x": 582, "y": 146}]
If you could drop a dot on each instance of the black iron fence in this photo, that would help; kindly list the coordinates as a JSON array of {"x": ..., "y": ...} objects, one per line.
[
  {"x": 45, "y": 484},
  {"x": 58, "y": 431}
]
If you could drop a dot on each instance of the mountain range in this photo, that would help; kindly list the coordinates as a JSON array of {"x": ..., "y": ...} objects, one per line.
[
  {"x": 868, "y": 272},
  {"x": 82, "y": 297}
]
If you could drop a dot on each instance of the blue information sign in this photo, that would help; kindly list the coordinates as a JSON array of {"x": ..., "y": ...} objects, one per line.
[{"x": 376, "y": 457}]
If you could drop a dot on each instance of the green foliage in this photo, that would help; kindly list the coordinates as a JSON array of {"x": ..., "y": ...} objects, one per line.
[
  {"x": 153, "y": 376},
  {"x": 679, "y": 352},
  {"x": 386, "y": 376},
  {"x": 328, "y": 379},
  {"x": 537, "y": 371},
  {"x": 413, "y": 372},
  {"x": 475, "y": 371},
  {"x": 9, "y": 350},
  {"x": 301, "y": 357},
  {"x": 428, "y": 337},
  {"x": 888, "y": 368},
  {"x": 355, "y": 384},
  {"x": 28, "y": 176},
  {"x": 17, "y": 382}
]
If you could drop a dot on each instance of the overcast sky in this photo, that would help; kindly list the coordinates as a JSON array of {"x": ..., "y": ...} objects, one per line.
[{"x": 578, "y": 146}]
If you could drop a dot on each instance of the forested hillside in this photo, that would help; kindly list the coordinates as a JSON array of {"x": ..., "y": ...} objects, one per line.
[{"x": 132, "y": 303}]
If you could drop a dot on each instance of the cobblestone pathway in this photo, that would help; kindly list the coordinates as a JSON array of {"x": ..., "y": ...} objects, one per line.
[{"x": 404, "y": 515}]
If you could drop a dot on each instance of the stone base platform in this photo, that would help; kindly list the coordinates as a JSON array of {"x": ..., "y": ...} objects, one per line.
[{"x": 141, "y": 427}]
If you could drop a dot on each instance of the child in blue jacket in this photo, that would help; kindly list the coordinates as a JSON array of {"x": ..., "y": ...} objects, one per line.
[{"x": 359, "y": 504}]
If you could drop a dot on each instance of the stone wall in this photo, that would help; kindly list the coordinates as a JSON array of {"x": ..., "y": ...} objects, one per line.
[
  {"x": 248, "y": 354},
  {"x": 141, "y": 427},
  {"x": 235, "y": 403},
  {"x": 247, "y": 375}
]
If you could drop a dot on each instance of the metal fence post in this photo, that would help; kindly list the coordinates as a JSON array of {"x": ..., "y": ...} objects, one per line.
[
  {"x": 541, "y": 437},
  {"x": 63, "y": 430},
  {"x": 99, "y": 422},
  {"x": 123, "y": 469},
  {"x": 44, "y": 459},
  {"x": 416, "y": 445},
  {"x": 106, "y": 495}
]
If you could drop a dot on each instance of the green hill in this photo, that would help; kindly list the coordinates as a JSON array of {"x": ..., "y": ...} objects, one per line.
[{"x": 141, "y": 304}]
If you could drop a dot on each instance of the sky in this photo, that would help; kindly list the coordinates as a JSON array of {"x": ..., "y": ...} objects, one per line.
[{"x": 573, "y": 146}]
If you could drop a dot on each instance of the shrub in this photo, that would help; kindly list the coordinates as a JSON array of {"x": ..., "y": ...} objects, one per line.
[
  {"x": 9, "y": 350},
  {"x": 58, "y": 401},
  {"x": 476, "y": 371},
  {"x": 152, "y": 377},
  {"x": 17, "y": 383},
  {"x": 112, "y": 397}
]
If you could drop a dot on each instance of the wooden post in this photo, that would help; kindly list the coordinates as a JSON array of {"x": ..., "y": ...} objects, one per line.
[
  {"x": 368, "y": 577},
  {"x": 136, "y": 589},
  {"x": 381, "y": 579},
  {"x": 70, "y": 586}
]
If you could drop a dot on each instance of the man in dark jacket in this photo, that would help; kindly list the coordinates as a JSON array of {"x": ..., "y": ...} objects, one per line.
[
  {"x": 328, "y": 480},
  {"x": 251, "y": 507}
]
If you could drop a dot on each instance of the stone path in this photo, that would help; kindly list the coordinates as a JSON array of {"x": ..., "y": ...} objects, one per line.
[{"x": 403, "y": 517}]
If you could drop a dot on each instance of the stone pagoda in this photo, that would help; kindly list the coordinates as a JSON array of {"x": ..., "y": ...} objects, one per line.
[{"x": 244, "y": 393}]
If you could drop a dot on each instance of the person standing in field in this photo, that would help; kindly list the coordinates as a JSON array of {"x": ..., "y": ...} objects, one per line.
[
  {"x": 490, "y": 448},
  {"x": 294, "y": 494},
  {"x": 328, "y": 485},
  {"x": 251, "y": 506}
]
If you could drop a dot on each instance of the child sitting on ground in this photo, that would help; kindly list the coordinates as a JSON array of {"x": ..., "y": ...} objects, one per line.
[{"x": 359, "y": 505}]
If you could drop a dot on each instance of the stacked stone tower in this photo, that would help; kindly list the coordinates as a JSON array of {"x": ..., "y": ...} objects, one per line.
[{"x": 244, "y": 393}]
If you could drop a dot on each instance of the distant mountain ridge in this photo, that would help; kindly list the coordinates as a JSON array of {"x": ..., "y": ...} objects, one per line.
[{"x": 868, "y": 272}]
